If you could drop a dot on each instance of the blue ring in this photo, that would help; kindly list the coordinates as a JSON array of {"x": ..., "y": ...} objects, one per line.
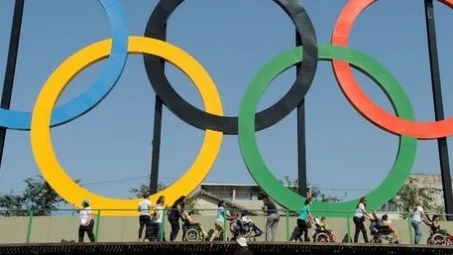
[{"x": 98, "y": 90}]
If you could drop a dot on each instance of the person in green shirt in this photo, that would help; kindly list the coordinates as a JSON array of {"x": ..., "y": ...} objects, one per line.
[{"x": 303, "y": 220}]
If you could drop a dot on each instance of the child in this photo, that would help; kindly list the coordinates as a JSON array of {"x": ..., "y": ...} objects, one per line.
[
  {"x": 434, "y": 225},
  {"x": 236, "y": 225},
  {"x": 189, "y": 222},
  {"x": 321, "y": 226},
  {"x": 246, "y": 221}
]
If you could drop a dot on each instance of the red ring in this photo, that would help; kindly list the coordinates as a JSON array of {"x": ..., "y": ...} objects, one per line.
[{"x": 364, "y": 104}]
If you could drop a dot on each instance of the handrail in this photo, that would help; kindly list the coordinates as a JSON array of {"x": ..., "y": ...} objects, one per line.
[{"x": 283, "y": 234}]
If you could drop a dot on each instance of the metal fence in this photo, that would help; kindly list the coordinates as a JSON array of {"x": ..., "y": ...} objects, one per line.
[{"x": 62, "y": 226}]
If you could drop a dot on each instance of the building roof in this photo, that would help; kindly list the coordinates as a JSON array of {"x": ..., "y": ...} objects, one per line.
[
  {"x": 230, "y": 204},
  {"x": 237, "y": 185},
  {"x": 229, "y": 184}
]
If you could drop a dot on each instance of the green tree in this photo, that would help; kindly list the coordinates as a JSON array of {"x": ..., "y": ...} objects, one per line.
[
  {"x": 411, "y": 193},
  {"x": 144, "y": 189},
  {"x": 38, "y": 196},
  {"x": 316, "y": 193}
]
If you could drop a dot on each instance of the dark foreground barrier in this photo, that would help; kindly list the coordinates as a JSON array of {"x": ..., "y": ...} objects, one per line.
[{"x": 219, "y": 248}]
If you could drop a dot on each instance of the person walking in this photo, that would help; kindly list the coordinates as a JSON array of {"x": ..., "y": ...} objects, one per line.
[
  {"x": 303, "y": 221},
  {"x": 272, "y": 219},
  {"x": 157, "y": 233},
  {"x": 418, "y": 216},
  {"x": 177, "y": 212},
  {"x": 359, "y": 220},
  {"x": 222, "y": 215},
  {"x": 86, "y": 222},
  {"x": 144, "y": 207}
]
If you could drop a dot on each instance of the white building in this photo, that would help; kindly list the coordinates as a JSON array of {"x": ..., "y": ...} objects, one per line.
[{"x": 245, "y": 197}]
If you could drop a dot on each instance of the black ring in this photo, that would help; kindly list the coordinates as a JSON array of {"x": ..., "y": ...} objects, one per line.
[{"x": 156, "y": 28}]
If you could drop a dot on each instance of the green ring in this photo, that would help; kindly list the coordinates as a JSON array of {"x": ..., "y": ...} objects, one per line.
[{"x": 262, "y": 174}]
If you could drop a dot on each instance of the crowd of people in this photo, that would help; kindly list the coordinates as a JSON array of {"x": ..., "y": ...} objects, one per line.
[
  {"x": 379, "y": 226},
  {"x": 151, "y": 220}
]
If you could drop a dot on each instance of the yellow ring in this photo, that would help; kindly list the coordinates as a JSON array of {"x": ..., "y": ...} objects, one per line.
[{"x": 42, "y": 142}]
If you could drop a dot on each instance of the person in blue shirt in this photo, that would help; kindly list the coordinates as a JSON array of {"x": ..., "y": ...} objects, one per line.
[
  {"x": 221, "y": 215},
  {"x": 303, "y": 220}
]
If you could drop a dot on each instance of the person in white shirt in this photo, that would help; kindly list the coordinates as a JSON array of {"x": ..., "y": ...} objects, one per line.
[
  {"x": 157, "y": 220},
  {"x": 144, "y": 207},
  {"x": 359, "y": 219},
  {"x": 417, "y": 217},
  {"x": 86, "y": 222}
]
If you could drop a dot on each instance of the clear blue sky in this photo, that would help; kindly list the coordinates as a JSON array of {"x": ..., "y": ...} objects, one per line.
[{"x": 232, "y": 39}]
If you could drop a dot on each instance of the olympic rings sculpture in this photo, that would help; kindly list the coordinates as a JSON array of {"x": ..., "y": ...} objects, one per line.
[
  {"x": 155, "y": 48},
  {"x": 98, "y": 90}
]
